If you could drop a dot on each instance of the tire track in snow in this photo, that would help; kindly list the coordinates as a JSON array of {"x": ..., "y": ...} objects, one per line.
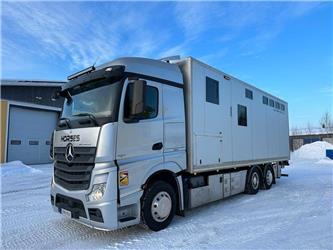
[{"x": 26, "y": 189}]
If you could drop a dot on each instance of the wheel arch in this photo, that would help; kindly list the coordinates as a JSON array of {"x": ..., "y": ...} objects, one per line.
[{"x": 168, "y": 173}]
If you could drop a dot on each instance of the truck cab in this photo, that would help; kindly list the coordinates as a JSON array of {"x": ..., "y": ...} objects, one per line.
[{"x": 122, "y": 128}]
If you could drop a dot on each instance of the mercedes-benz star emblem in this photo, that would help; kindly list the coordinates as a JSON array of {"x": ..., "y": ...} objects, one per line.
[{"x": 69, "y": 154}]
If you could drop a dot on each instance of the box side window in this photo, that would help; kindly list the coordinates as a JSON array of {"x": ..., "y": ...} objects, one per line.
[
  {"x": 271, "y": 103},
  {"x": 282, "y": 107},
  {"x": 249, "y": 94},
  {"x": 265, "y": 100},
  {"x": 242, "y": 115},
  {"x": 212, "y": 91}
]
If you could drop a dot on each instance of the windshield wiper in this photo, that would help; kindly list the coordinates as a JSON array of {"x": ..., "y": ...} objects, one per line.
[
  {"x": 90, "y": 115},
  {"x": 67, "y": 121}
]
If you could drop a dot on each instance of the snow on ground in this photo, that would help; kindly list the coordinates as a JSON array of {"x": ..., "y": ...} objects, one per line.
[
  {"x": 17, "y": 168},
  {"x": 312, "y": 151},
  {"x": 295, "y": 213}
]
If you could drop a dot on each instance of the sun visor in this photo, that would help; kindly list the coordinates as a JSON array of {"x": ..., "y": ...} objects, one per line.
[{"x": 90, "y": 74}]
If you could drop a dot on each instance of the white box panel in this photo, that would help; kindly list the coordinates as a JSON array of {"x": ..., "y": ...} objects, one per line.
[{"x": 213, "y": 131}]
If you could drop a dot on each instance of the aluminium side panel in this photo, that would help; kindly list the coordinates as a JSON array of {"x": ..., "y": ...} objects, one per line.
[
  {"x": 242, "y": 135},
  {"x": 277, "y": 131},
  {"x": 265, "y": 136},
  {"x": 211, "y": 120},
  {"x": 237, "y": 182},
  {"x": 285, "y": 131},
  {"x": 259, "y": 129},
  {"x": 226, "y": 185},
  {"x": 274, "y": 132},
  {"x": 205, "y": 194},
  {"x": 174, "y": 144},
  {"x": 206, "y": 136},
  {"x": 185, "y": 66},
  {"x": 215, "y": 140},
  {"x": 272, "y": 136}
]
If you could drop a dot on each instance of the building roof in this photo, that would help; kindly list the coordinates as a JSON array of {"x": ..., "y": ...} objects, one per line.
[
  {"x": 34, "y": 83},
  {"x": 312, "y": 131}
]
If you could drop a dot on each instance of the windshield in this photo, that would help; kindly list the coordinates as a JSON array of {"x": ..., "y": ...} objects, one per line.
[{"x": 99, "y": 99}]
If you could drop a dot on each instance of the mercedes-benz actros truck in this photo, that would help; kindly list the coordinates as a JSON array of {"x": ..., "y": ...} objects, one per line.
[{"x": 141, "y": 140}]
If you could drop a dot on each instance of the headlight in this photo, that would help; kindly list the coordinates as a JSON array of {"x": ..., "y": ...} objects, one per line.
[{"x": 97, "y": 192}]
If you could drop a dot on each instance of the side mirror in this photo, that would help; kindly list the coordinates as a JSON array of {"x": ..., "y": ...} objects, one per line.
[
  {"x": 138, "y": 98},
  {"x": 65, "y": 94}
]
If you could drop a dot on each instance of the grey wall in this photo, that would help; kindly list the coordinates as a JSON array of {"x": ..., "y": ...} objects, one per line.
[
  {"x": 34, "y": 94},
  {"x": 29, "y": 134},
  {"x": 297, "y": 141}
]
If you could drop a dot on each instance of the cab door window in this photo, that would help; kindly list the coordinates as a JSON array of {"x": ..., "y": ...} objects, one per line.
[{"x": 150, "y": 102}]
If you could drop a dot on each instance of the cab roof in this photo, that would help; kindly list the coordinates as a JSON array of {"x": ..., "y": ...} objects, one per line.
[{"x": 150, "y": 67}]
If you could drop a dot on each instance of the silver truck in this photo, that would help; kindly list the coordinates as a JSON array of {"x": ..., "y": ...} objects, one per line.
[{"x": 142, "y": 140}]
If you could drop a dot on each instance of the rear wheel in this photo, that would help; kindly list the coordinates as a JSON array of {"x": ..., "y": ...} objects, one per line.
[
  {"x": 253, "y": 181},
  {"x": 268, "y": 177},
  {"x": 158, "y": 205}
]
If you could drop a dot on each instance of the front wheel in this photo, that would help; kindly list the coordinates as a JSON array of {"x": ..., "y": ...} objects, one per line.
[{"x": 158, "y": 205}]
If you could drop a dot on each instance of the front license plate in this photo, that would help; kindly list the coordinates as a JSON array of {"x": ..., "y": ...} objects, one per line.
[{"x": 66, "y": 213}]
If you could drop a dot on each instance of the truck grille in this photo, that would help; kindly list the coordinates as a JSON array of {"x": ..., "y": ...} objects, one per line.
[{"x": 75, "y": 175}]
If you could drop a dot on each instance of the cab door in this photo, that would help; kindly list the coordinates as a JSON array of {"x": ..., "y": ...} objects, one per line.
[{"x": 140, "y": 142}]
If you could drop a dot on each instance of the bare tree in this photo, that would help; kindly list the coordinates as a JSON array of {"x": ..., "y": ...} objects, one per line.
[
  {"x": 294, "y": 130},
  {"x": 309, "y": 129},
  {"x": 326, "y": 122}
]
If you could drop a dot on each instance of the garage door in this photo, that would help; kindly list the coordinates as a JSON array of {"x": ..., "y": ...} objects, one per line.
[{"x": 29, "y": 134}]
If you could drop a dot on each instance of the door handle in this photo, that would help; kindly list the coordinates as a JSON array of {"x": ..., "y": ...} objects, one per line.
[{"x": 157, "y": 146}]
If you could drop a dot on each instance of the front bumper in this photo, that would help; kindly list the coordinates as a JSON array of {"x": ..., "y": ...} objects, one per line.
[{"x": 100, "y": 214}]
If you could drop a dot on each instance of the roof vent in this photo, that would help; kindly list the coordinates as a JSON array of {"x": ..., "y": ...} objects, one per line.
[{"x": 170, "y": 58}]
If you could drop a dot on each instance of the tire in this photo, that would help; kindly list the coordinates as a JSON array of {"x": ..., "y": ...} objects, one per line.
[
  {"x": 158, "y": 205},
  {"x": 268, "y": 178},
  {"x": 253, "y": 181}
]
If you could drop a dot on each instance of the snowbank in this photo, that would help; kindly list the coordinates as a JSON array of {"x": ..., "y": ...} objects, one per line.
[
  {"x": 16, "y": 168},
  {"x": 326, "y": 161},
  {"x": 314, "y": 151}
]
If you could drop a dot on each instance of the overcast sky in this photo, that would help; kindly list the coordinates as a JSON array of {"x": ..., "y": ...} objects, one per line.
[{"x": 283, "y": 48}]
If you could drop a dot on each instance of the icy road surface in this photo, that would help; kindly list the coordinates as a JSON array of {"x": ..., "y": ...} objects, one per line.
[{"x": 295, "y": 213}]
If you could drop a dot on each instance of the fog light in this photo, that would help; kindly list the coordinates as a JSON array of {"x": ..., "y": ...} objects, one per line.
[{"x": 97, "y": 192}]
